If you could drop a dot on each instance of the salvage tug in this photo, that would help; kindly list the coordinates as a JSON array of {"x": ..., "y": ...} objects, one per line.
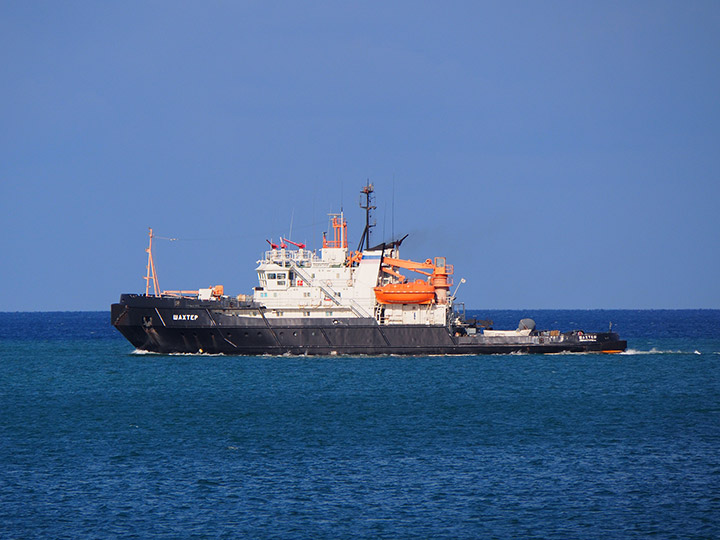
[{"x": 336, "y": 302}]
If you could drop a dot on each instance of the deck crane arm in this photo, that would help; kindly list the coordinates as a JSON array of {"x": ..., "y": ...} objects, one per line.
[
  {"x": 296, "y": 244},
  {"x": 438, "y": 271},
  {"x": 418, "y": 267},
  {"x": 392, "y": 272}
]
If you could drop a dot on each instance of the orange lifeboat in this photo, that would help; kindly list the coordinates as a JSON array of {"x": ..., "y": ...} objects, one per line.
[{"x": 417, "y": 292}]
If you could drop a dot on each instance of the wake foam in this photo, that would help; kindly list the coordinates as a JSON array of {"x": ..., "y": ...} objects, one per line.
[
  {"x": 140, "y": 352},
  {"x": 634, "y": 352}
]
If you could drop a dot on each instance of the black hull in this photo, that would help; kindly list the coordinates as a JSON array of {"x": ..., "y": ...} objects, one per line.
[{"x": 167, "y": 325}]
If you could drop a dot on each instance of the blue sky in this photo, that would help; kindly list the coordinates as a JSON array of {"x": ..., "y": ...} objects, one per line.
[{"x": 560, "y": 154}]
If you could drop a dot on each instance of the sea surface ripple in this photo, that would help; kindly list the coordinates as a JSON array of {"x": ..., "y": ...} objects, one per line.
[{"x": 98, "y": 442}]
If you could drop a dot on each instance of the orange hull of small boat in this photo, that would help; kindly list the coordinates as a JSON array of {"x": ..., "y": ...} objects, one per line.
[{"x": 418, "y": 292}]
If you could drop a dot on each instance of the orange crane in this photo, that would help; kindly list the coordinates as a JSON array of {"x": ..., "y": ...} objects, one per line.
[{"x": 437, "y": 270}]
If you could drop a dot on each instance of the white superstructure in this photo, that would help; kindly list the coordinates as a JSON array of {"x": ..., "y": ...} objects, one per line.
[{"x": 337, "y": 283}]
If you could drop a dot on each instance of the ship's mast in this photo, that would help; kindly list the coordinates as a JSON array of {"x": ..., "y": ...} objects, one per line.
[
  {"x": 367, "y": 190},
  {"x": 151, "y": 275},
  {"x": 339, "y": 226}
]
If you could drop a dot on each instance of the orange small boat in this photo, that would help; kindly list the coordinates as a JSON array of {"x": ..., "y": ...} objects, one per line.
[{"x": 416, "y": 292}]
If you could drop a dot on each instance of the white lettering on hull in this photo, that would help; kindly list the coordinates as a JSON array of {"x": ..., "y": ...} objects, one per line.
[{"x": 178, "y": 317}]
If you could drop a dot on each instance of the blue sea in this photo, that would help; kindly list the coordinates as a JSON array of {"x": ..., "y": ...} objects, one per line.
[{"x": 99, "y": 441}]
